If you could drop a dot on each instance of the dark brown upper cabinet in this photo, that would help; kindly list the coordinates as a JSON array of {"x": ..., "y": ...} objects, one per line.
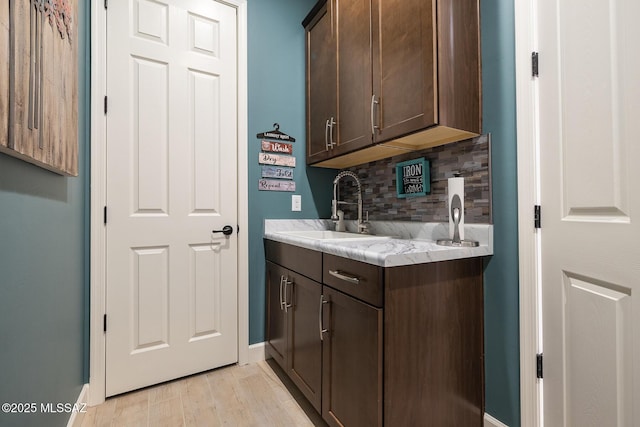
[
  {"x": 321, "y": 84},
  {"x": 339, "y": 70},
  {"x": 389, "y": 76}
]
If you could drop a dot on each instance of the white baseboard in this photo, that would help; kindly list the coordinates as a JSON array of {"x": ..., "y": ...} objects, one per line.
[
  {"x": 489, "y": 421},
  {"x": 257, "y": 352},
  {"x": 76, "y": 418}
]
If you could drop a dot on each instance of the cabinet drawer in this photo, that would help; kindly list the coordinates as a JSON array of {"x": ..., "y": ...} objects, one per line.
[
  {"x": 355, "y": 278},
  {"x": 301, "y": 260}
]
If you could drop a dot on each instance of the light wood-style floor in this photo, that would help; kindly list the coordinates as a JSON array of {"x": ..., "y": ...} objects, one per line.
[{"x": 250, "y": 395}]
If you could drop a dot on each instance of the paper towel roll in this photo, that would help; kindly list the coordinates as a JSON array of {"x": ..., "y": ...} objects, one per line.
[{"x": 456, "y": 186}]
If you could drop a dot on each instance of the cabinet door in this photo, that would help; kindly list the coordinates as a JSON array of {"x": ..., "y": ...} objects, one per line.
[
  {"x": 404, "y": 66},
  {"x": 433, "y": 351},
  {"x": 304, "y": 362},
  {"x": 321, "y": 83},
  {"x": 276, "y": 320},
  {"x": 351, "y": 361},
  {"x": 353, "y": 26}
]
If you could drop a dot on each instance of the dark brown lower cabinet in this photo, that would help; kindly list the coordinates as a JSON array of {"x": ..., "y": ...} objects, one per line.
[
  {"x": 351, "y": 361},
  {"x": 276, "y": 319},
  {"x": 433, "y": 350},
  {"x": 400, "y": 346},
  {"x": 304, "y": 362},
  {"x": 292, "y": 329}
]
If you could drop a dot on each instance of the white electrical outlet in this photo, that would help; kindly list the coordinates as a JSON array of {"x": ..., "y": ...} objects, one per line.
[{"x": 296, "y": 202}]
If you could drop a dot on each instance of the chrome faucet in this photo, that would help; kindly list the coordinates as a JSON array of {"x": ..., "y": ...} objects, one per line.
[{"x": 363, "y": 227}]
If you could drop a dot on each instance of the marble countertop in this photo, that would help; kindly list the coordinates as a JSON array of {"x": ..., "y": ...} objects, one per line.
[{"x": 411, "y": 242}]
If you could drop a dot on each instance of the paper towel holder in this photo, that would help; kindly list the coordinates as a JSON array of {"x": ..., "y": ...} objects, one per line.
[{"x": 456, "y": 214}]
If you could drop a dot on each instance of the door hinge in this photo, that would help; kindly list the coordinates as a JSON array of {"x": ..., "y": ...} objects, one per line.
[
  {"x": 534, "y": 64},
  {"x": 104, "y": 215},
  {"x": 105, "y": 104},
  {"x": 104, "y": 323},
  {"x": 539, "y": 365},
  {"x": 106, "y": 3},
  {"x": 536, "y": 216}
]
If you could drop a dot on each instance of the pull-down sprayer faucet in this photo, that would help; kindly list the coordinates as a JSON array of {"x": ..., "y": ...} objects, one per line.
[{"x": 363, "y": 227}]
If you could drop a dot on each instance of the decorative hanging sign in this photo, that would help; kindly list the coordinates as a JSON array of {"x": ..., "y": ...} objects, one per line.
[
  {"x": 412, "y": 178},
  {"x": 277, "y": 172},
  {"x": 275, "y": 159},
  {"x": 276, "y": 185},
  {"x": 277, "y": 147},
  {"x": 276, "y": 134}
]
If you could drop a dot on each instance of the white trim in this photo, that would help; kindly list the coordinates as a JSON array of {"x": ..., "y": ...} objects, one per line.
[
  {"x": 489, "y": 421},
  {"x": 76, "y": 418},
  {"x": 257, "y": 352},
  {"x": 243, "y": 186},
  {"x": 526, "y": 94},
  {"x": 98, "y": 196}
]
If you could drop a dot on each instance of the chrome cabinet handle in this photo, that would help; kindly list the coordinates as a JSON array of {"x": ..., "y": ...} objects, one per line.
[
  {"x": 282, "y": 279},
  {"x": 332, "y": 123},
  {"x": 320, "y": 328},
  {"x": 287, "y": 306},
  {"x": 326, "y": 135},
  {"x": 344, "y": 276},
  {"x": 373, "y": 114}
]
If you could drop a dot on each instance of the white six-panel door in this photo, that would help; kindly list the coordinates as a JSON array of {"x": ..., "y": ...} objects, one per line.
[
  {"x": 590, "y": 195},
  {"x": 171, "y": 179}
]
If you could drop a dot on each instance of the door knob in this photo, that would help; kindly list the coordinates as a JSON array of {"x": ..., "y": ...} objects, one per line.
[{"x": 226, "y": 230}]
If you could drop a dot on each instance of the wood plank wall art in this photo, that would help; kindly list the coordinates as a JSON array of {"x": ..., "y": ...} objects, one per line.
[
  {"x": 39, "y": 83},
  {"x": 277, "y": 161}
]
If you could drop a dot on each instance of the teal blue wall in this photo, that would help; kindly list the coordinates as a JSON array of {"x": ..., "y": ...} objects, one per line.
[
  {"x": 502, "y": 353},
  {"x": 43, "y": 268},
  {"x": 277, "y": 95}
]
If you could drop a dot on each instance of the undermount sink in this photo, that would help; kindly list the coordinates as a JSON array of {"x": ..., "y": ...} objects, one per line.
[{"x": 332, "y": 235}]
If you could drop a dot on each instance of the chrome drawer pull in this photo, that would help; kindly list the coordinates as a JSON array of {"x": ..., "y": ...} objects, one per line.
[
  {"x": 320, "y": 328},
  {"x": 344, "y": 276}
]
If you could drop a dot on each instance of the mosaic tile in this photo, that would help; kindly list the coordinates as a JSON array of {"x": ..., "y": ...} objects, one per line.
[{"x": 469, "y": 158}]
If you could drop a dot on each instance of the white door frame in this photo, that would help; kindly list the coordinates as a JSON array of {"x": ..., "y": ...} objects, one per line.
[
  {"x": 528, "y": 196},
  {"x": 97, "y": 371}
]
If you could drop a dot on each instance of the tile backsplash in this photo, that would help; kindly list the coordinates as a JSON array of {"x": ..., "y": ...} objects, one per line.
[{"x": 469, "y": 158}]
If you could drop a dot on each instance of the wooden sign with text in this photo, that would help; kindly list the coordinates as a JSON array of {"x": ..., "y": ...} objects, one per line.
[
  {"x": 275, "y": 185},
  {"x": 275, "y": 159},
  {"x": 277, "y": 147},
  {"x": 277, "y": 172}
]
